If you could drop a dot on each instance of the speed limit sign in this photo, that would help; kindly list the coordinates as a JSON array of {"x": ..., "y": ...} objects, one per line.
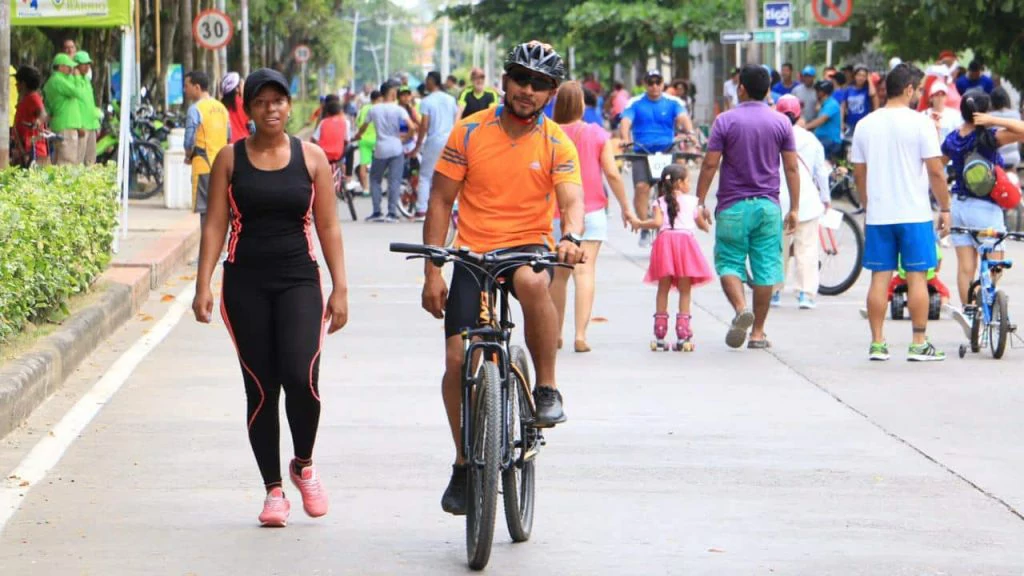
[
  {"x": 302, "y": 53},
  {"x": 212, "y": 29}
]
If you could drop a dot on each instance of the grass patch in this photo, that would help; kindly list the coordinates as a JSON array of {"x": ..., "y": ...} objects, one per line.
[
  {"x": 19, "y": 344},
  {"x": 301, "y": 111}
]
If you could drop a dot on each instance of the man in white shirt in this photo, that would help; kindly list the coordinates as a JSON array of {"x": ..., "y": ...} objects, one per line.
[
  {"x": 730, "y": 90},
  {"x": 804, "y": 241},
  {"x": 896, "y": 157}
]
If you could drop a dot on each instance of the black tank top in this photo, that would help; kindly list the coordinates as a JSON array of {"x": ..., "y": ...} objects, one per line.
[{"x": 271, "y": 212}]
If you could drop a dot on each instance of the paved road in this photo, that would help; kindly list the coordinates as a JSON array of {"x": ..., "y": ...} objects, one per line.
[{"x": 803, "y": 460}]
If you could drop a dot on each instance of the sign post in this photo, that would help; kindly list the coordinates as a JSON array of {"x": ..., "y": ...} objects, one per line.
[
  {"x": 778, "y": 16},
  {"x": 832, "y": 13},
  {"x": 302, "y": 55}
]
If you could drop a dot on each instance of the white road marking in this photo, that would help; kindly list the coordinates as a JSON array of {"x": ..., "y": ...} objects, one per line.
[{"x": 49, "y": 450}]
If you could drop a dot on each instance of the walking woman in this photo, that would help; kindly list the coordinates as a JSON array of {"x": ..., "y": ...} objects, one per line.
[
  {"x": 597, "y": 155},
  {"x": 231, "y": 98},
  {"x": 271, "y": 301}
]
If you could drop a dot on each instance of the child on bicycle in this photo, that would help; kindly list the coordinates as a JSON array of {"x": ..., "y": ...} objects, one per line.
[
  {"x": 676, "y": 259},
  {"x": 934, "y": 282},
  {"x": 331, "y": 133}
]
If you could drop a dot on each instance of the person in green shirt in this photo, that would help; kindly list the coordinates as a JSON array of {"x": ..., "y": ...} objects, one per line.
[
  {"x": 61, "y": 93},
  {"x": 87, "y": 103},
  {"x": 368, "y": 141}
]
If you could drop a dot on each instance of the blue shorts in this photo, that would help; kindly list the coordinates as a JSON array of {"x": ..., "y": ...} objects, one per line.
[
  {"x": 975, "y": 213},
  {"x": 595, "y": 226},
  {"x": 888, "y": 245}
]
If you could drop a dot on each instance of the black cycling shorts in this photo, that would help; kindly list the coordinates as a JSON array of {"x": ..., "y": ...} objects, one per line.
[
  {"x": 641, "y": 171},
  {"x": 463, "y": 307}
]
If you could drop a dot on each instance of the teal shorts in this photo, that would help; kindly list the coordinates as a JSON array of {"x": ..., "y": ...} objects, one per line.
[{"x": 750, "y": 229}]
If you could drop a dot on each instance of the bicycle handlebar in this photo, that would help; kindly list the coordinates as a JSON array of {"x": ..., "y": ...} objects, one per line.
[
  {"x": 438, "y": 256},
  {"x": 987, "y": 233}
]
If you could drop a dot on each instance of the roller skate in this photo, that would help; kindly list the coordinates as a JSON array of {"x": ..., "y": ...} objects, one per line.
[
  {"x": 660, "y": 330},
  {"x": 684, "y": 336}
]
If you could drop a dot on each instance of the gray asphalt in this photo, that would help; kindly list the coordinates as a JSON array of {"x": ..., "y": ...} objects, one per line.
[{"x": 806, "y": 459}]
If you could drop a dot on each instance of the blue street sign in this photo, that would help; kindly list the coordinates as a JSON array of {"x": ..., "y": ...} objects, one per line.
[
  {"x": 778, "y": 15},
  {"x": 294, "y": 88}
]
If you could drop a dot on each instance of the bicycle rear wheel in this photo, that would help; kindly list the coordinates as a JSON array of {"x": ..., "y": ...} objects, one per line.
[
  {"x": 518, "y": 480},
  {"x": 407, "y": 200},
  {"x": 484, "y": 466},
  {"x": 839, "y": 256},
  {"x": 999, "y": 328}
]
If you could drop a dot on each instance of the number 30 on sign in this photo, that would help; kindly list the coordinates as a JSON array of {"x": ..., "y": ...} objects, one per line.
[{"x": 212, "y": 29}]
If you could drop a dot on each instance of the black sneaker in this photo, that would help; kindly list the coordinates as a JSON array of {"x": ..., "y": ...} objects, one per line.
[
  {"x": 375, "y": 217},
  {"x": 454, "y": 499},
  {"x": 549, "y": 407}
]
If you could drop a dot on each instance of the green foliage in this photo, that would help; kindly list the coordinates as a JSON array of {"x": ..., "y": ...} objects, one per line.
[
  {"x": 596, "y": 27},
  {"x": 920, "y": 29},
  {"x": 56, "y": 229}
]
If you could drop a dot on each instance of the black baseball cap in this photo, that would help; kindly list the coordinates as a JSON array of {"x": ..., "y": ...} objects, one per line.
[{"x": 260, "y": 79}]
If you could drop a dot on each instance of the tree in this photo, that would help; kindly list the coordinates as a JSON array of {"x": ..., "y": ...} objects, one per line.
[{"x": 920, "y": 29}]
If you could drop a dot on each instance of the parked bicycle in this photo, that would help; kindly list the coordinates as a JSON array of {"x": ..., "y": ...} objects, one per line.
[
  {"x": 840, "y": 255},
  {"x": 499, "y": 441},
  {"x": 341, "y": 191},
  {"x": 988, "y": 308}
]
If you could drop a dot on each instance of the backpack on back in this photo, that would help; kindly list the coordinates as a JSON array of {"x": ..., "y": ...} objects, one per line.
[{"x": 979, "y": 175}]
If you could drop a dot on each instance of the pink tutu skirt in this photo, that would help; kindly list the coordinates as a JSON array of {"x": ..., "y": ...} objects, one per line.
[{"x": 677, "y": 255}]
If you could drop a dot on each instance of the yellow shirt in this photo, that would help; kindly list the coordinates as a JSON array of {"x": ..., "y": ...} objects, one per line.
[
  {"x": 212, "y": 134},
  {"x": 13, "y": 97}
]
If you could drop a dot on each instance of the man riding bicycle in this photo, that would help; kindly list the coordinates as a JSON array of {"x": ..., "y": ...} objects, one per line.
[
  {"x": 503, "y": 164},
  {"x": 653, "y": 119}
]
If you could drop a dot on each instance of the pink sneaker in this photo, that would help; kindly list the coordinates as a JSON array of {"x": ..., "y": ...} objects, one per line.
[
  {"x": 314, "y": 499},
  {"x": 275, "y": 509}
]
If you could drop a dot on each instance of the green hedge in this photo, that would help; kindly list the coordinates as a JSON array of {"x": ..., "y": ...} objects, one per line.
[{"x": 56, "y": 229}]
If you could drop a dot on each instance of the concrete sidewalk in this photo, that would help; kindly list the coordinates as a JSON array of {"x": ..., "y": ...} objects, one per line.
[{"x": 159, "y": 240}]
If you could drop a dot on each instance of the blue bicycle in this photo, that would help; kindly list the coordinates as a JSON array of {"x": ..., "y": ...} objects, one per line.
[{"x": 988, "y": 307}]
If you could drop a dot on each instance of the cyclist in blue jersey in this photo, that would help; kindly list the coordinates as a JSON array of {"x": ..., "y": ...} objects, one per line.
[{"x": 652, "y": 120}]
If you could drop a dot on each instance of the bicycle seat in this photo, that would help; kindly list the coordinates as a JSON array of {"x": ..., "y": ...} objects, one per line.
[{"x": 1000, "y": 264}]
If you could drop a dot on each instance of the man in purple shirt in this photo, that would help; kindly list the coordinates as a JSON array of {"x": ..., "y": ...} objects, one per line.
[{"x": 747, "y": 142}]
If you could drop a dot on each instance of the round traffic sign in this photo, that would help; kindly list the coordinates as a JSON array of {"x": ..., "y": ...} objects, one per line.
[
  {"x": 302, "y": 53},
  {"x": 212, "y": 29},
  {"x": 832, "y": 12}
]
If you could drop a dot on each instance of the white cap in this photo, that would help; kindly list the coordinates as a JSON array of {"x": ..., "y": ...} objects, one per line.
[
  {"x": 894, "y": 62},
  {"x": 938, "y": 70}
]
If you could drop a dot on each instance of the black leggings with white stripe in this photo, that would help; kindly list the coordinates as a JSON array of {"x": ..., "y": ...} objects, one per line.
[{"x": 275, "y": 317}]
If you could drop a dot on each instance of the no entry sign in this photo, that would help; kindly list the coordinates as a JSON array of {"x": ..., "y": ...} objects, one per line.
[{"x": 832, "y": 12}]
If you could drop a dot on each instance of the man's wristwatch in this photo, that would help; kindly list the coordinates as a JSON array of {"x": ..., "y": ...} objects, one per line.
[{"x": 572, "y": 237}]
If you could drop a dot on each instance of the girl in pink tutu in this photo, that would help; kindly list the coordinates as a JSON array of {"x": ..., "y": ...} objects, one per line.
[{"x": 676, "y": 259}]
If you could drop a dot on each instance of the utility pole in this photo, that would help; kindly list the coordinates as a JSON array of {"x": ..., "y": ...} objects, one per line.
[
  {"x": 222, "y": 54},
  {"x": 446, "y": 60},
  {"x": 245, "y": 37},
  {"x": 355, "y": 45},
  {"x": 373, "y": 50},
  {"x": 387, "y": 45},
  {"x": 5, "y": 61}
]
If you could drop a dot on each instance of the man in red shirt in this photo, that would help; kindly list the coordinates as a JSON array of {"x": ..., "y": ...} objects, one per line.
[
  {"x": 31, "y": 114},
  {"x": 332, "y": 132}
]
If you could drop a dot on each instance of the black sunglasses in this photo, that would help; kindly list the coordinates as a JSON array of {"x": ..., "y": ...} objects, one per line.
[
  {"x": 654, "y": 81},
  {"x": 524, "y": 79}
]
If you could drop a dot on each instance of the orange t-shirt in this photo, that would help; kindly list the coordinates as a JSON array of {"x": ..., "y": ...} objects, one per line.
[{"x": 508, "y": 192}]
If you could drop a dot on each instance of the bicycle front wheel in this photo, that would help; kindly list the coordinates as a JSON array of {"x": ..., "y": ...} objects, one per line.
[
  {"x": 517, "y": 480},
  {"x": 840, "y": 254},
  {"x": 484, "y": 467}
]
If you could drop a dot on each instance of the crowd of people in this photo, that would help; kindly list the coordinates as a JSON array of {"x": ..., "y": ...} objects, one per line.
[{"x": 56, "y": 106}]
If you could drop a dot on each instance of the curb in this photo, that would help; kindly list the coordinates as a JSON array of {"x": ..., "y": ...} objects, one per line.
[{"x": 29, "y": 380}]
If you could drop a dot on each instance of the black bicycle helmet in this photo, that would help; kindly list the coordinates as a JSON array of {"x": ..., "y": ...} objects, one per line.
[
  {"x": 536, "y": 58},
  {"x": 824, "y": 86}
]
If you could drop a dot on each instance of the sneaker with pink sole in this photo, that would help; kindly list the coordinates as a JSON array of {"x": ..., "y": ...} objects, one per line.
[
  {"x": 314, "y": 498},
  {"x": 275, "y": 509}
]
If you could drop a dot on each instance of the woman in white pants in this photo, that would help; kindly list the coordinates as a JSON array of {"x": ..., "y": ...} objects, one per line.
[{"x": 803, "y": 244}]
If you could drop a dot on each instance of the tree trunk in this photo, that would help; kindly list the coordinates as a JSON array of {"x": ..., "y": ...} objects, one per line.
[
  {"x": 5, "y": 61},
  {"x": 169, "y": 25},
  {"x": 187, "y": 43}
]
